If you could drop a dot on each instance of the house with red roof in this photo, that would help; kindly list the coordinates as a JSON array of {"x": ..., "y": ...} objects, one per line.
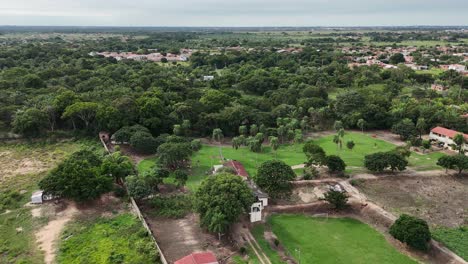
[
  {"x": 445, "y": 135},
  {"x": 198, "y": 258}
]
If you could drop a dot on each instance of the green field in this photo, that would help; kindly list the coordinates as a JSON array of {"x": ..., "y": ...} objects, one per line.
[
  {"x": 455, "y": 239},
  {"x": 333, "y": 240},
  {"x": 203, "y": 160},
  {"x": 365, "y": 145},
  {"x": 121, "y": 239}
]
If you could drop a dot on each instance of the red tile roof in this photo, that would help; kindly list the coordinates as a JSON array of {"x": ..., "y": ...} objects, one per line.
[
  {"x": 240, "y": 170},
  {"x": 198, "y": 258},
  {"x": 447, "y": 132}
]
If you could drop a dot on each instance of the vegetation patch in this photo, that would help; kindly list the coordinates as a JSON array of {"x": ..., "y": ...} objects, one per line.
[
  {"x": 176, "y": 206},
  {"x": 456, "y": 239},
  {"x": 333, "y": 240},
  {"x": 121, "y": 239}
]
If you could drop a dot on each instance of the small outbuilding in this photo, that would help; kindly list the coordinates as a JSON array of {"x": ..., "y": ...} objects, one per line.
[{"x": 36, "y": 197}]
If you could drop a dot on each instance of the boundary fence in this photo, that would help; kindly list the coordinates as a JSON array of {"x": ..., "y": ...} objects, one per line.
[{"x": 135, "y": 208}]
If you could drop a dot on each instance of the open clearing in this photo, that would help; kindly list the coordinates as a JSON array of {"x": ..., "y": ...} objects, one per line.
[
  {"x": 22, "y": 165},
  {"x": 333, "y": 240},
  {"x": 441, "y": 200},
  {"x": 118, "y": 239},
  {"x": 209, "y": 155}
]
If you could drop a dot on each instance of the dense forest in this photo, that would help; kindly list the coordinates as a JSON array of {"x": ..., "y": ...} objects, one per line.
[{"x": 53, "y": 85}]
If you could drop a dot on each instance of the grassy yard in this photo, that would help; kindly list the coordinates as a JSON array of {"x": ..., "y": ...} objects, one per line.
[
  {"x": 258, "y": 232},
  {"x": 121, "y": 239},
  {"x": 203, "y": 160},
  {"x": 333, "y": 240},
  {"x": 455, "y": 239},
  {"x": 365, "y": 145}
]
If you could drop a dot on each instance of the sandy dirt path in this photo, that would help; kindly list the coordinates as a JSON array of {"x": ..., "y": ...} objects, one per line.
[{"x": 49, "y": 234}]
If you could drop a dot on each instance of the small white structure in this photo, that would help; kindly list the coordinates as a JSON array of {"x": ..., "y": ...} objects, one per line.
[
  {"x": 216, "y": 168},
  {"x": 457, "y": 67},
  {"x": 36, "y": 197},
  {"x": 208, "y": 77}
]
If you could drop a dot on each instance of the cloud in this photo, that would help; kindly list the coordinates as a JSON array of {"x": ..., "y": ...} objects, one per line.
[{"x": 234, "y": 13}]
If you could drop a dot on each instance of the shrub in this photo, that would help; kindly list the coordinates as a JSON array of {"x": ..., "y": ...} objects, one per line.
[
  {"x": 242, "y": 250},
  {"x": 196, "y": 145},
  {"x": 380, "y": 161},
  {"x": 412, "y": 231},
  {"x": 310, "y": 173},
  {"x": 119, "y": 191},
  {"x": 336, "y": 198},
  {"x": 274, "y": 178},
  {"x": 335, "y": 164},
  {"x": 144, "y": 142},
  {"x": 171, "y": 207}
]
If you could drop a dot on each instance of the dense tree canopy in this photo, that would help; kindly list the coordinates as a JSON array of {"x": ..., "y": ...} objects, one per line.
[{"x": 274, "y": 178}]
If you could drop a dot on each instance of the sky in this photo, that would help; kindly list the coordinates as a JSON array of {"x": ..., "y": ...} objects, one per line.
[{"x": 237, "y": 13}]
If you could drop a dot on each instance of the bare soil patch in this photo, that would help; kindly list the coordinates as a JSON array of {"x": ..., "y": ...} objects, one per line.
[
  {"x": 180, "y": 237},
  {"x": 441, "y": 200}
]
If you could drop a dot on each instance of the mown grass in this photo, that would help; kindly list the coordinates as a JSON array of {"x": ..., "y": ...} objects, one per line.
[
  {"x": 291, "y": 154},
  {"x": 121, "y": 239},
  {"x": 456, "y": 239},
  {"x": 333, "y": 240}
]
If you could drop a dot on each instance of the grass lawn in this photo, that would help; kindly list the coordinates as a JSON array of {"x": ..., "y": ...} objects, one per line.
[
  {"x": 333, "y": 240},
  {"x": 257, "y": 232},
  {"x": 365, "y": 145},
  {"x": 455, "y": 239},
  {"x": 422, "y": 162},
  {"x": 121, "y": 239}
]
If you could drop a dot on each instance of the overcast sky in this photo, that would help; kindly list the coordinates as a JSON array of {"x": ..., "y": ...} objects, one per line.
[{"x": 233, "y": 12}]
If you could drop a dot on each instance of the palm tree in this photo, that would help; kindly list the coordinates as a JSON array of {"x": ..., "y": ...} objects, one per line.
[
  {"x": 361, "y": 123},
  {"x": 274, "y": 143},
  {"x": 218, "y": 136}
]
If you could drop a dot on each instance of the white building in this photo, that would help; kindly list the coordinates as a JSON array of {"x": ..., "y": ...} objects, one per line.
[
  {"x": 457, "y": 67},
  {"x": 445, "y": 135}
]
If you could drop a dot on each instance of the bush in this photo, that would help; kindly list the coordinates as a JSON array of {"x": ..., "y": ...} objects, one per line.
[
  {"x": 335, "y": 164},
  {"x": 412, "y": 231},
  {"x": 196, "y": 145},
  {"x": 310, "y": 173},
  {"x": 171, "y": 207},
  {"x": 380, "y": 161},
  {"x": 336, "y": 198},
  {"x": 242, "y": 250},
  {"x": 144, "y": 142},
  {"x": 119, "y": 191}
]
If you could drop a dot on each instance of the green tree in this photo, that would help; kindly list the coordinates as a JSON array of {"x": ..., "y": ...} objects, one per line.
[
  {"x": 457, "y": 162},
  {"x": 78, "y": 178},
  {"x": 253, "y": 130},
  {"x": 137, "y": 187},
  {"x": 274, "y": 144},
  {"x": 117, "y": 166},
  {"x": 174, "y": 156},
  {"x": 220, "y": 200},
  {"x": 143, "y": 142},
  {"x": 412, "y": 231},
  {"x": 361, "y": 123},
  {"x": 181, "y": 177},
  {"x": 274, "y": 178},
  {"x": 338, "y": 125},
  {"x": 84, "y": 111},
  {"x": 177, "y": 130},
  {"x": 459, "y": 141},
  {"x": 30, "y": 122},
  {"x": 378, "y": 162},
  {"x": 218, "y": 136},
  {"x": 405, "y": 129},
  {"x": 426, "y": 144},
  {"x": 314, "y": 153},
  {"x": 338, "y": 199},
  {"x": 421, "y": 126},
  {"x": 350, "y": 145},
  {"x": 335, "y": 164},
  {"x": 397, "y": 58},
  {"x": 243, "y": 130}
]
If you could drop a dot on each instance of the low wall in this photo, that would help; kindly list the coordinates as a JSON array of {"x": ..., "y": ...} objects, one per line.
[{"x": 137, "y": 212}]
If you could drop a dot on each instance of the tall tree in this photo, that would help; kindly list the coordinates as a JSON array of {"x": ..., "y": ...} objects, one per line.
[
  {"x": 218, "y": 136},
  {"x": 274, "y": 144},
  {"x": 274, "y": 178}
]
